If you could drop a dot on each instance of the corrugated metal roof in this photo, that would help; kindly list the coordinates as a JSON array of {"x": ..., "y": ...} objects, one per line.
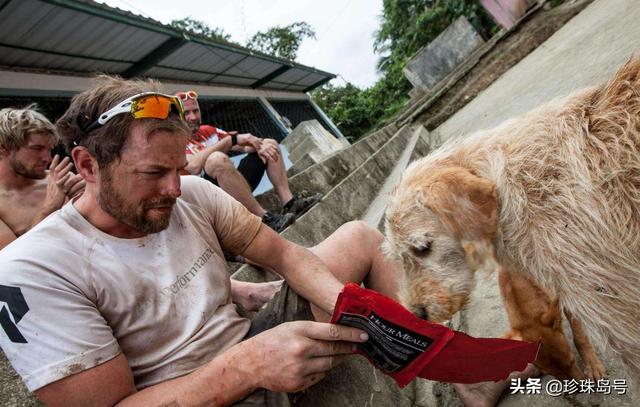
[{"x": 83, "y": 37}]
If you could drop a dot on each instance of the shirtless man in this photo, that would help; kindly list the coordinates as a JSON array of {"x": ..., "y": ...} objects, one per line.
[{"x": 28, "y": 193}]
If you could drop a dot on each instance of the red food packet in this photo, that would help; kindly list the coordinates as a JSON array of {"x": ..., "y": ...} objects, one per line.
[{"x": 404, "y": 346}]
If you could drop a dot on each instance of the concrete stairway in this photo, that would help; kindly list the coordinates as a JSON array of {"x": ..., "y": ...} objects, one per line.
[
  {"x": 350, "y": 180},
  {"x": 323, "y": 176}
]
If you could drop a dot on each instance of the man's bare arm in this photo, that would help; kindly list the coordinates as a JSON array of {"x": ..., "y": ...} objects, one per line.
[
  {"x": 302, "y": 269},
  {"x": 6, "y": 235},
  {"x": 289, "y": 357}
]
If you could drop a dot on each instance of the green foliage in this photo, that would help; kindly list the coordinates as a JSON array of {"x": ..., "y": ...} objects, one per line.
[
  {"x": 197, "y": 27},
  {"x": 406, "y": 26},
  {"x": 282, "y": 42}
]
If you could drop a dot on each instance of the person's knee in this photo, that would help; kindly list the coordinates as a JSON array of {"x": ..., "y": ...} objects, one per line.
[
  {"x": 362, "y": 231},
  {"x": 358, "y": 237},
  {"x": 217, "y": 163}
]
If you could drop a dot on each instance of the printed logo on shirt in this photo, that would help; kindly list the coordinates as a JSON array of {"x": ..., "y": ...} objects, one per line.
[
  {"x": 15, "y": 305},
  {"x": 183, "y": 280}
]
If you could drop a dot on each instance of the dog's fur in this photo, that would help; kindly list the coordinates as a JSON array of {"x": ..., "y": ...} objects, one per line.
[
  {"x": 554, "y": 195},
  {"x": 534, "y": 315}
]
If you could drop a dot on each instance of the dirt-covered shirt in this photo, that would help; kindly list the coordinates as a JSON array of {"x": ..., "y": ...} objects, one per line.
[{"x": 73, "y": 297}]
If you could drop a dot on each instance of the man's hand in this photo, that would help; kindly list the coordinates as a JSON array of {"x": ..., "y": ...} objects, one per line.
[
  {"x": 249, "y": 140},
  {"x": 252, "y": 296},
  {"x": 296, "y": 355},
  {"x": 61, "y": 183},
  {"x": 77, "y": 186},
  {"x": 195, "y": 163},
  {"x": 269, "y": 150}
]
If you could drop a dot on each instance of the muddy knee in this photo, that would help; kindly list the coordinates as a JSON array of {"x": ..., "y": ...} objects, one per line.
[{"x": 217, "y": 163}]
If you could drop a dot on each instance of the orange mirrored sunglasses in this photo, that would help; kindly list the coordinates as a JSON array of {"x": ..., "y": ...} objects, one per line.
[{"x": 147, "y": 105}]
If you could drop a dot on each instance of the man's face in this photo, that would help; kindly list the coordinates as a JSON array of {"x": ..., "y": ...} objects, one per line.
[
  {"x": 31, "y": 160},
  {"x": 192, "y": 114},
  {"x": 140, "y": 189}
]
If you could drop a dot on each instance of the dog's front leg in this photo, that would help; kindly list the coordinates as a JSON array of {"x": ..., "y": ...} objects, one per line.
[{"x": 594, "y": 369}]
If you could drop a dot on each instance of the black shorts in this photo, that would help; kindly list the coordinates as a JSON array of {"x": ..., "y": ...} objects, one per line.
[
  {"x": 285, "y": 306},
  {"x": 252, "y": 169}
]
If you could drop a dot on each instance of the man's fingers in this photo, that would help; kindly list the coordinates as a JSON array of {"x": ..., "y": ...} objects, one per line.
[
  {"x": 73, "y": 180},
  {"x": 65, "y": 170},
  {"x": 332, "y": 348},
  {"x": 61, "y": 164},
  {"x": 54, "y": 162},
  {"x": 77, "y": 187},
  {"x": 333, "y": 332},
  {"x": 63, "y": 179},
  {"x": 323, "y": 363}
]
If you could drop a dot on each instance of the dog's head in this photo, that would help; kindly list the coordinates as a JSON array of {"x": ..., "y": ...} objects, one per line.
[{"x": 441, "y": 223}]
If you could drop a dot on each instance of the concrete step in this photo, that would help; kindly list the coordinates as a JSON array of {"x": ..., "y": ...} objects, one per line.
[
  {"x": 375, "y": 212},
  {"x": 323, "y": 176},
  {"x": 346, "y": 201}
]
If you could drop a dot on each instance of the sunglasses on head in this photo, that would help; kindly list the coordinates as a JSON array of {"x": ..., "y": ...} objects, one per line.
[
  {"x": 147, "y": 105},
  {"x": 190, "y": 94}
]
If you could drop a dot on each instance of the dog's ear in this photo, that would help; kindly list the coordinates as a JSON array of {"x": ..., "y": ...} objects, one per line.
[
  {"x": 466, "y": 203},
  {"x": 480, "y": 256}
]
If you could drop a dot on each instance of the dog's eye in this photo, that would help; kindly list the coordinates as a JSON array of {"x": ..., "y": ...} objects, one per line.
[{"x": 422, "y": 250}]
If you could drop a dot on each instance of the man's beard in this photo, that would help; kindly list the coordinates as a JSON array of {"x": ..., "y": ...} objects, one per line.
[
  {"x": 135, "y": 216},
  {"x": 20, "y": 169},
  {"x": 194, "y": 126}
]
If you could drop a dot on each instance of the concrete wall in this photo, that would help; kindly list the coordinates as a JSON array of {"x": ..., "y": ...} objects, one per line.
[
  {"x": 436, "y": 60},
  {"x": 310, "y": 143}
]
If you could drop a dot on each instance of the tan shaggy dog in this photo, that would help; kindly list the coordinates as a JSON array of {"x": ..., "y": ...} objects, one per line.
[{"x": 553, "y": 195}]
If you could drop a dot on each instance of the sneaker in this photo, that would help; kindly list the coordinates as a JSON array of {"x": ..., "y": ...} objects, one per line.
[
  {"x": 278, "y": 222},
  {"x": 298, "y": 206}
]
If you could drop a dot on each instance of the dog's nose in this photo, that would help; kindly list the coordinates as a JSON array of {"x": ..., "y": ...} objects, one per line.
[{"x": 422, "y": 313}]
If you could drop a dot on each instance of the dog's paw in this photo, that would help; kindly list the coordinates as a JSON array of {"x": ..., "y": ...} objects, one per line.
[{"x": 594, "y": 369}]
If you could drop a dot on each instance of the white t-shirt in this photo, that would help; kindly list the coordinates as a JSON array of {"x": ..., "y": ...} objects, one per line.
[{"x": 73, "y": 297}]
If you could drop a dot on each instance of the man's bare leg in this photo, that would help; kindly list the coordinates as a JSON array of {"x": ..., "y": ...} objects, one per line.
[
  {"x": 277, "y": 174},
  {"x": 220, "y": 167},
  {"x": 353, "y": 254}
]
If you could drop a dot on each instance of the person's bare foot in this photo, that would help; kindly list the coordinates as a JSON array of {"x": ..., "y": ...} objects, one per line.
[
  {"x": 487, "y": 394},
  {"x": 252, "y": 296}
]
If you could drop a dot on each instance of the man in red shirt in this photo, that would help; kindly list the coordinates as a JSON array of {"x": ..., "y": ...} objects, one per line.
[{"x": 208, "y": 156}]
